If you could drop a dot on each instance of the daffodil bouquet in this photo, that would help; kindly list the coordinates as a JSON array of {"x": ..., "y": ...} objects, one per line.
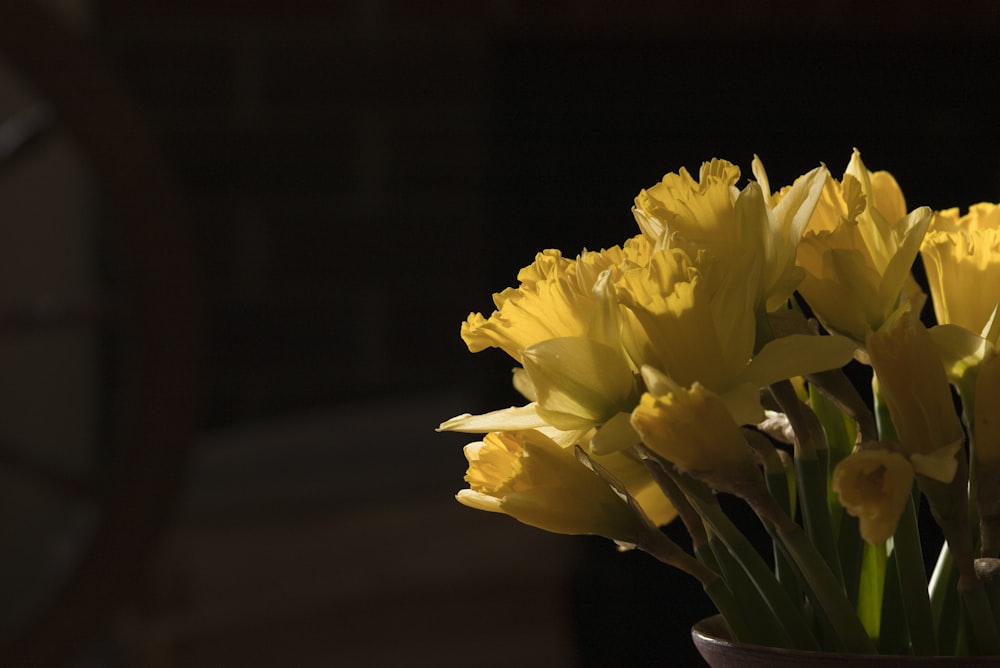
[{"x": 706, "y": 355}]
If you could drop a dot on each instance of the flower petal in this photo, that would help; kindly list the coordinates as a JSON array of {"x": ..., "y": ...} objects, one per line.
[
  {"x": 580, "y": 382},
  {"x": 514, "y": 418},
  {"x": 798, "y": 355},
  {"x": 960, "y": 349}
]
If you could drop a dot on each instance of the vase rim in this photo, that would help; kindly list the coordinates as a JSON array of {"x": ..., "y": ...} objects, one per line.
[{"x": 711, "y": 634}]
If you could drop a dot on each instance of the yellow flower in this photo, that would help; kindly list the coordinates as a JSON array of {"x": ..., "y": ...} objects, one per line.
[
  {"x": 554, "y": 299},
  {"x": 912, "y": 380},
  {"x": 529, "y": 477},
  {"x": 858, "y": 250},
  {"x": 874, "y": 486},
  {"x": 740, "y": 228},
  {"x": 692, "y": 428},
  {"x": 962, "y": 259}
]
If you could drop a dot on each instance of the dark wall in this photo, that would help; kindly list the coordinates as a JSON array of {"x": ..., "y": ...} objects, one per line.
[{"x": 363, "y": 174}]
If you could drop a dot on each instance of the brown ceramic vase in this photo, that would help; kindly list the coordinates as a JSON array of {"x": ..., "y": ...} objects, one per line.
[{"x": 711, "y": 637}]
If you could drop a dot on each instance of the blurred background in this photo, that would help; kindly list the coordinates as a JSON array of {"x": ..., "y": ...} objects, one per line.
[{"x": 238, "y": 241}]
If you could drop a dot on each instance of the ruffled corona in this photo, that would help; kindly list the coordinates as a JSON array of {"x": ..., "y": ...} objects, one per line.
[
  {"x": 554, "y": 299},
  {"x": 962, "y": 259}
]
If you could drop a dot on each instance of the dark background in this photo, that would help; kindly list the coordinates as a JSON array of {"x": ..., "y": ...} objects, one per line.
[{"x": 359, "y": 175}]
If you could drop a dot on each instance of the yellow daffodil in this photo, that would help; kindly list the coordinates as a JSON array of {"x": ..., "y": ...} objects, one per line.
[
  {"x": 742, "y": 229},
  {"x": 576, "y": 383},
  {"x": 554, "y": 299},
  {"x": 534, "y": 480},
  {"x": 692, "y": 428},
  {"x": 858, "y": 250},
  {"x": 874, "y": 485},
  {"x": 962, "y": 259},
  {"x": 912, "y": 380}
]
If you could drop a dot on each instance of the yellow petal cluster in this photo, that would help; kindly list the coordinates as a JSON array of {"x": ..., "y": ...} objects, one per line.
[
  {"x": 962, "y": 259},
  {"x": 874, "y": 486},
  {"x": 534, "y": 480},
  {"x": 857, "y": 252}
]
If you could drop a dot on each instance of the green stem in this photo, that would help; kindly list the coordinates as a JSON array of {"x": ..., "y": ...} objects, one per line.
[
  {"x": 782, "y": 607},
  {"x": 734, "y": 610},
  {"x": 827, "y": 591},
  {"x": 758, "y": 625},
  {"x": 836, "y": 387},
  {"x": 740, "y": 625},
  {"x": 846, "y": 421},
  {"x": 894, "y": 638},
  {"x": 944, "y": 599},
  {"x": 851, "y": 548},
  {"x": 810, "y": 466},
  {"x": 871, "y": 588},
  {"x": 917, "y": 613},
  {"x": 776, "y": 477}
]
